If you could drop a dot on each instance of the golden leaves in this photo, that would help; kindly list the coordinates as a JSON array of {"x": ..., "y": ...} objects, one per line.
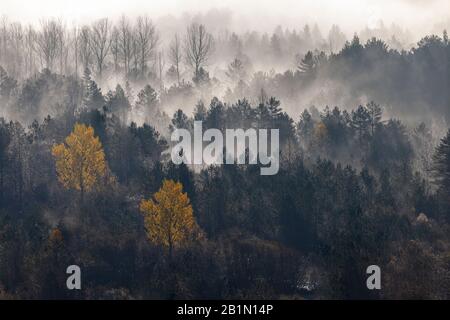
[
  {"x": 80, "y": 160},
  {"x": 168, "y": 217},
  {"x": 320, "y": 131},
  {"x": 55, "y": 236}
]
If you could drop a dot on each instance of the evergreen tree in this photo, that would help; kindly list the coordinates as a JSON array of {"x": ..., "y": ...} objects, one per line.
[
  {"x": 361, "y": 122},
  {"x": 375, "y": 112},
  {"x": 92, "y": 97},
  {"x": 441, "y": 166},
  {"x": 180, "y": 121},
  {"x": 5, "y": 139},
  {"x": 147, "y": 101},
  {"x": 117, "y": 103},
  {"x": 200, "y": 111}
]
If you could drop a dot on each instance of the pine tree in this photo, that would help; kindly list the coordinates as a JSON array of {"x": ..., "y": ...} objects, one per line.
[
  {"x": 236, "y": 70},
  {"x": 305, "y": 126},
  {"x": 361, "y": 122},
  {"x": 147, "y": 101},
  {"x": 200, "y": 111},
  {"x": 92, "y": 97},
  {"x": 5, "y": 139},
  {"x": 118, "y": 103},
  {"x": 441, "y": 165},
  {"x": 307, "y": 64},
  {"x": 180, "y": 121},
  {"x": 375, "y": 112}
]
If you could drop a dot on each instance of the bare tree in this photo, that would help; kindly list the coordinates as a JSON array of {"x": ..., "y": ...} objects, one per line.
[
  {"x": 4, "y": 39},
  {"x": 125, "y": 44},
  {"x": 84, "y": 47},
  {"x": 63, "y": 50},
  {"x": 198, "y": 46},
  {"x": 16, "y": 43},
  {"x": 146, "y": 40},
  {"x": 135, "y": 55},
  {"x": 30, "y": 42},
  {"x": 115, "y": 48},
  {"x": 175, "y": 55},
  {"x": 48, "y": 42},
  {"x": 75, "y": 44},
  {"x": 100, "y": 43},
  {"x": 161, "y": 64}
]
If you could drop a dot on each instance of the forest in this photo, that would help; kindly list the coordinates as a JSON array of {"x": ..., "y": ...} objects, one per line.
[{"x": 86, "y": 179}]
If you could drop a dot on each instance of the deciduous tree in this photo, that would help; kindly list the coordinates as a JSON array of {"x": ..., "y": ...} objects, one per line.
[
  {"x": 198, "y": 47},
  {"x": 80, "y": 160},
  {"x": 168, "y": 217}
]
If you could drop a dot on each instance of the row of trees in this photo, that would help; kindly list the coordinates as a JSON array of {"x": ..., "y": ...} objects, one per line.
[
  {"x": 92, "y": 183},
  {"x": 131, "y": 48},
  {"x": 309, "y": 230},
  {"x": 404, "y": 81},
  {"x": 411, "y": 83}
]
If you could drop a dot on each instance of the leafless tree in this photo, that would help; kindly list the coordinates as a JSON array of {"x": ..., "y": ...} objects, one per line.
[
  {"x": 175, "y": 55},
  {"x": 30, "y": 43},
  {"x": 48, "y": 42},
  {"x": 16, "y": 43},
  {"x": 63, "y": 49},
  {"x": 115, "y": 48},
  {"x": 75, "y": 44},
  {"x": 147, "y": 40},
  {"x": 135, "y": 55},
  {"x": 125, "y": 44},
  {"x": 100, "y": 43},
  {"x": 161, "y": 64},
  {"x": 198, "y": 46},
  {"x": 4, "y": 39},
  {"x": 84, "y": 47}
]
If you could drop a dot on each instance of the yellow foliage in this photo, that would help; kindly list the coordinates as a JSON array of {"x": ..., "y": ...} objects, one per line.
[
  {"x": 56, "y": 235},
  {"x": 320, "y": 131},
  {"x": 168, "y": 217},
  {"x": 80, "y": 160}
]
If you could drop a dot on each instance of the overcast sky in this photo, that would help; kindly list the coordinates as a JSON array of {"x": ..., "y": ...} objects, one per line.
[{"x": 416, "y": 15}]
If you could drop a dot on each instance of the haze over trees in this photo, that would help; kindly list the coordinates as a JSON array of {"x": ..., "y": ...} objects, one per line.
[{"x": 86, "y": 177}]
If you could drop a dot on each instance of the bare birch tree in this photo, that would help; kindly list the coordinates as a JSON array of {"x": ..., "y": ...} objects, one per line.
[
  {"x": 84, "y": 46},
  {"x": 198, "y": 47},
  {"x": 175, "y": 55},
  {"x": 125, "y": 44},
  {"x": 48, "y": 42},
  {"x": 100, "y": 43},
  {"x": 30, "y": 47},
  {"x": 161, "y": 64},
  {"x": 115, "y": 48},
  {"x": 147, "y": 40}
]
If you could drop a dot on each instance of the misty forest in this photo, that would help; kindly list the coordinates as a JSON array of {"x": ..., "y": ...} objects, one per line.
[{"x": 86, "y": 178}]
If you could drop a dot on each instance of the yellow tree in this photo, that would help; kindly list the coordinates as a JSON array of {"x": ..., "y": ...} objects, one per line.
[
  {"x": 80, "y": 160},
  {"x": 168, "y": 217}
]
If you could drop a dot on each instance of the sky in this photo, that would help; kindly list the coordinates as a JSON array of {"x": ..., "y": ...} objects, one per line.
[{"x": 416, "y": 15}]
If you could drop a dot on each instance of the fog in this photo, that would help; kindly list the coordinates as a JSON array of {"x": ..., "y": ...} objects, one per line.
[
  {"x": 419, "y": 16},
  {"x": 355, "y": 95},
  {"x": 269, "y": 40}
]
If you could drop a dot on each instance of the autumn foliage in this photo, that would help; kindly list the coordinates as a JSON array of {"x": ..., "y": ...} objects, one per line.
[
  {"x": 80, "y": 160},
  {"x": 168, "y": 217}
]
